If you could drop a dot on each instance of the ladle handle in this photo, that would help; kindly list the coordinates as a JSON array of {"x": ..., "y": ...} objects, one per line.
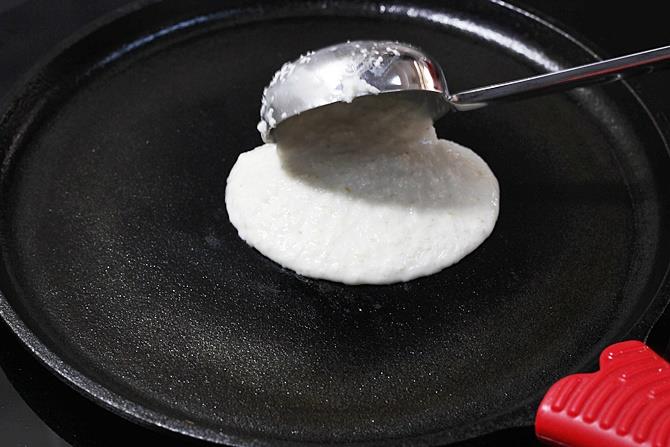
[{"x": 611, "y": 69}]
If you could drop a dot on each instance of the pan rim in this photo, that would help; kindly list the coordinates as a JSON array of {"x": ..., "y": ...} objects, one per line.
[{"x": 139, "y": 413}]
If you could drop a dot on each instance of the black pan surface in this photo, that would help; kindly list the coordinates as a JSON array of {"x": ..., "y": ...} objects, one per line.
[{"x": 121, "y": 271}]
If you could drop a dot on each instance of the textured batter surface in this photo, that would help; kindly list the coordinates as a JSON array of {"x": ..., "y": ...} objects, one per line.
[{"x": 377, "y": 200}]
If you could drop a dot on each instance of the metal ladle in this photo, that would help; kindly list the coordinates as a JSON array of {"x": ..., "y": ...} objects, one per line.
[{"x": 346, "y": 71}]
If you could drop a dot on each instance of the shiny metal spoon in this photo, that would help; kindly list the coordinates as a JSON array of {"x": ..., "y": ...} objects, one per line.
[{"x": 346, "y": 71}]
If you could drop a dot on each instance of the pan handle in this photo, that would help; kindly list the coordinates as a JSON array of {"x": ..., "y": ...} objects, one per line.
[{"x": 624, "y": 404}]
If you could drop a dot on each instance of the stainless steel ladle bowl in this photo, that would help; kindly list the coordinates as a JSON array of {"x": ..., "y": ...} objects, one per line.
[{"x": 346, "y": 71}]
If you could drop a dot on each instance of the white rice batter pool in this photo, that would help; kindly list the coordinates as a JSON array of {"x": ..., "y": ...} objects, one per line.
[{"x": 362, "y": 193}]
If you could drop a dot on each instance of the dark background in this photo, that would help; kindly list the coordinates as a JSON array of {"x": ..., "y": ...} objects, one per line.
[{"x": 36, "y": 409}]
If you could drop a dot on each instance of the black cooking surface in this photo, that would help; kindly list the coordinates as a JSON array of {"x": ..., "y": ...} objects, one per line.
[{"x": 26, "y": 30}]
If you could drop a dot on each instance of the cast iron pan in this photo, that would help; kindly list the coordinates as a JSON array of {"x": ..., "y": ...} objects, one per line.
[{"x": 121, "y": 272}]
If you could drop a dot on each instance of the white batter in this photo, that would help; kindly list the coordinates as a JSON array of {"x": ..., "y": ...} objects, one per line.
[{"x": 362, "y": 193}]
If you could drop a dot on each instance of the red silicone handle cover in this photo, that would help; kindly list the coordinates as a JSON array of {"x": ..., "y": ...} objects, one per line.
[{"x": 626, "y": 403}]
